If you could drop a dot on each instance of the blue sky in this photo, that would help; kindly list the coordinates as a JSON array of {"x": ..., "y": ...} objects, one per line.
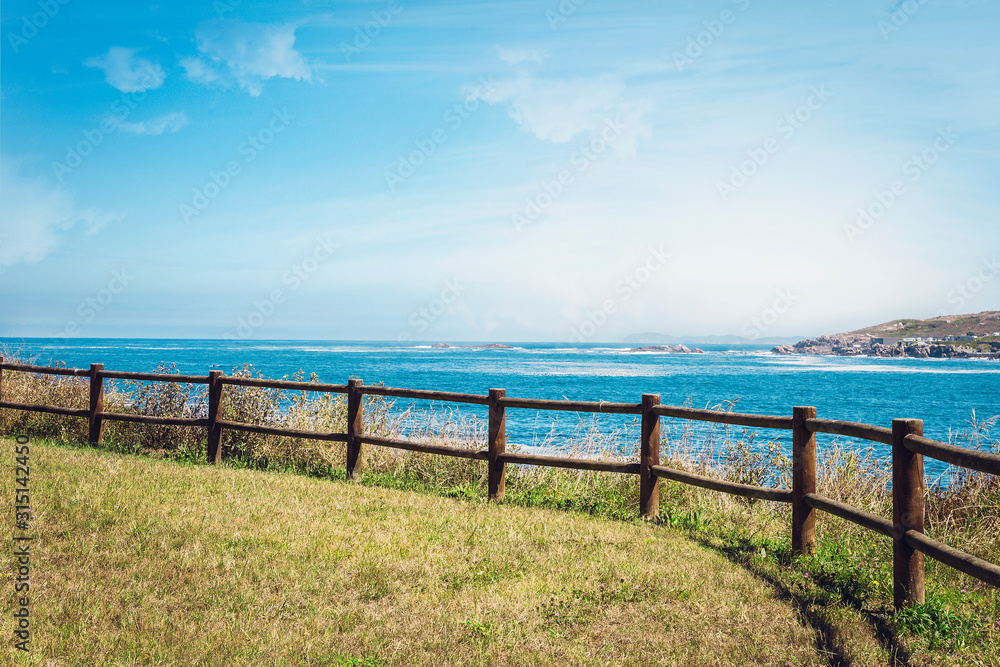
[{"x": 556, "y": 171}]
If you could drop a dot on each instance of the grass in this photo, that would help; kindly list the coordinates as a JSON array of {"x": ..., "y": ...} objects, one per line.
[
  {"x": 843, "y": 592},
  {"x": 152, "y": 562}
]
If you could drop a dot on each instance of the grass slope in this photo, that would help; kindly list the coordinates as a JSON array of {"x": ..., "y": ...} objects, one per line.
[{"x": 151, "y": 562}]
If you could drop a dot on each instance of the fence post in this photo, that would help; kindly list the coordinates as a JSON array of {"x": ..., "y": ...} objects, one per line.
[
  {"x": 355, "y": 423},
  {"x": 1, "y": 377},
  {"x": 96, "y": 404},
  {"x": 497, "y": 445},
  {"x": 214, "y": 447},
  {"x": 803, "y": 481},
  {"x": 649, "y": 455},
  {"x": 907, "y": 514}
]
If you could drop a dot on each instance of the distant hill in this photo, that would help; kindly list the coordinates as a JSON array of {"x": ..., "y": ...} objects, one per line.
[
  {"x": 986, "y": 323},
  {"x": 652, "y": 338},
  {"x": 949, "y": 336}
]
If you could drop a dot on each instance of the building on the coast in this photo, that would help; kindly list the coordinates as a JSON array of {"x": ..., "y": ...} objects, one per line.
[{"x": 887, "y": 340}]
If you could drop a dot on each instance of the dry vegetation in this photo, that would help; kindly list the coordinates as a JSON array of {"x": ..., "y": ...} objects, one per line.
[{"x": 843, "y": 593}]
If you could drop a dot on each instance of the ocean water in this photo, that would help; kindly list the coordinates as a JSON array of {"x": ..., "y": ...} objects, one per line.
[{"x": 942, "y": 392}]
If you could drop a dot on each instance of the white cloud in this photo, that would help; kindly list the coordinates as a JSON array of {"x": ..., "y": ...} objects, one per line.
[
  {"x": 559, "y": 110},
  {"x": 198, "y": 71},
  {"x": 33, "y": 214},
  {"x": 519, "y": 55},
  {"x": 126, "y": 72},
  {"x": 245, "y": 53},
  {"x": 168, "y": 122}
]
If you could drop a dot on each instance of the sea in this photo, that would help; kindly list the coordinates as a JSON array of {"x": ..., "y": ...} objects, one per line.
[{"x": 949, "y": 395}]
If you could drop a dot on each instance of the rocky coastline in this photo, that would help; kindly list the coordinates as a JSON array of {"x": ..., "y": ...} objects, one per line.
[{"x": 856, "y": 346}]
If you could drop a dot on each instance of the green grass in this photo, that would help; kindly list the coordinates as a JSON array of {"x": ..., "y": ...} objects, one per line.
[{"x": 140, "y": 561}]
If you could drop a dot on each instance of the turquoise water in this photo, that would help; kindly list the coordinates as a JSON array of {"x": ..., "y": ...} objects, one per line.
[{"x": 942, "y": 392}]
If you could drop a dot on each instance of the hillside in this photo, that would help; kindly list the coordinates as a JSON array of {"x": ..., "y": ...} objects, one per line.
[
  {"x": 985, "y": 323},
  {"x": 140, "y": 561},
  {"x": 985, "y": 326}
]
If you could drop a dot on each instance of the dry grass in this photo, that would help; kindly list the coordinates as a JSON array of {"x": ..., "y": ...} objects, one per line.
[{"x": 149, "y": 562}]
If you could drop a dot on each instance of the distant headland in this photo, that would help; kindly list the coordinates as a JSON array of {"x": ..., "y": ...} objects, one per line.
[{"x": 946, "y": 337}]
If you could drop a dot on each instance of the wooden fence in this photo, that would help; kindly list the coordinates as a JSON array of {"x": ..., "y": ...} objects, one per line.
[{"x": 906, "y": 529}]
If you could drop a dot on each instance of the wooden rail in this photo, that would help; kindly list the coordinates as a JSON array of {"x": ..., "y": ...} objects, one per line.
[
  {"x": 732, "y": 488},
  {"x": 851, "y": 430},
  {"x": 419, "y": 394},
  {"x": 905, "y": 437},
  {"x": 574, "y": 406},
  {"x": 734, "y": 418},
  {"x": 852, "y": 514},
  {"x": 284, "y": 384},
  {"x": 426, "y": 448}
]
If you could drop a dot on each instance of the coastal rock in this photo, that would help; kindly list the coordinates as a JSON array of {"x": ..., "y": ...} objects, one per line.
[
  {"x": 487, "y": 346},
  {"x": 669, "y": 349}
]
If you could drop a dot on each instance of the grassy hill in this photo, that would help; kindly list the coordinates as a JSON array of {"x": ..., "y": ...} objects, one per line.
[
  {"x": 980, "y": 324},
  {"x": 140, "y": 561}
]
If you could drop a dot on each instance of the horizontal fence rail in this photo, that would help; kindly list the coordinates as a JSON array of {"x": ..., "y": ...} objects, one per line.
[
  {"x": 426, "y": 448},
  {"x": 851, "y": 430},
  {"x": 423, "y": 395},
  {"x": 284, "y": 384},
  {"x": 154, "y": 377},
  {"x": 956, "y": 456},
  {"x": 732, "y": 488},
  {"x": 574, "y": 406},
  {"x": 286, "y": 432},
  {"x": 576, "y": 464},
  {"x": 47, "y": 370},
  {"x": 734, "y": 418},
  {"x": 852, "y": 514},
  {"x": 50, "y": 409},
  {"x": 152, "y": 419},
  {"x": 906, "y": 529}
]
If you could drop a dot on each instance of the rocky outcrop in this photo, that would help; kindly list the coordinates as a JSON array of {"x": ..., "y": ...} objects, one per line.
[
  {"x": 840, "y": 346},
  {"x": 488, "y": 346},
  {"x": 950, "y": 331},
  {"x": 670, "y": 349}
]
